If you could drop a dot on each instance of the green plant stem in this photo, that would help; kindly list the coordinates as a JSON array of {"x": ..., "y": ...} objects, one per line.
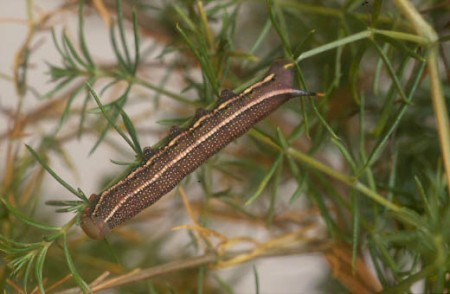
[
  {"x": 348, "y": 180},
  {"x": 335, "y": 44},
  {"x": 440, "y": 109},
  {"x": 427, "y": 36},
  {"x": 369, "y": 33}
]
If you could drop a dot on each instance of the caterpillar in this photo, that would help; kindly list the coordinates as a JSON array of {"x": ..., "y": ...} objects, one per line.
[{"x": 186, "y": 149}]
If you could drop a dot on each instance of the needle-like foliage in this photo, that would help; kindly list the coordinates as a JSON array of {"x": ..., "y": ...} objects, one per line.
[{"x": 359, "y": 174}]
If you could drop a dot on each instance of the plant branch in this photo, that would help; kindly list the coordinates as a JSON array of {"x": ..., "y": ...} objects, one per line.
[
  {"x": 193, "y": 262},
  {"x": 440, "y": 109}
]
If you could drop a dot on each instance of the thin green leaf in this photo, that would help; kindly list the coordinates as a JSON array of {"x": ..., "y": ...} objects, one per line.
[
  {"x": 345, "y": 153},
  {"x": 44, "y": 164},
  {"x": 69, "y": 205},
  {"x": 324, "y": 211},
  {"x": 84, "y": 107},
  {"x": 379, "y": 147},
  {"x": 116, "y": 108},
  {"x": 122, "y": 33},
  {"x": 266, "y": 180},
  {"x": 123, "y": 64},
  {"x": 27, "y": 260},
  {"x": 282, "y": 139},
  {"x": 185, "y": 18},
  {"x": 428, "y": 209},
  {"x": 378, "y": 73},
  {"x": 137, "y": 40},
  {"x": 301, "y": 180},
  {"x": 61, "y": 85},
  {"x": 58, "y": 46},
  {"x": 81, "y": 36},
  {"x": 74, "y": 56},
  {"x": 390, "y": 100},
  {"x": 22, "y": 217},
  {"x": 324, "y": 122},
  {"x": 391, "y": 71},
  {"x": 39, "y": 267},
  {"x": 304, "y": 42},
  {"x": 199, "y": 48},
  {"x": 255, "y": 274},
  {"x": 73, "y": 270},
  {"x": 279, "y": 25},
  {"x": 261, "y": 36},
  {"x": 341, "y": 42},
  {"x": 132, "y": 133},
  {"x": 67, "y": 109}
]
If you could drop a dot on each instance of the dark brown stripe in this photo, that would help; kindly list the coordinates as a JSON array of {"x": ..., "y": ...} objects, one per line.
[{"x": 208, "y": 133}]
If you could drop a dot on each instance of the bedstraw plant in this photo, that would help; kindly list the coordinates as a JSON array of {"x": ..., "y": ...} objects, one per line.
[{"x": 359, "y": 176}]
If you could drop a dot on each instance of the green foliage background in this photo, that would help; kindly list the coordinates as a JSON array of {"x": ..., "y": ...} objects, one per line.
[{"x": 370, "y": 159}]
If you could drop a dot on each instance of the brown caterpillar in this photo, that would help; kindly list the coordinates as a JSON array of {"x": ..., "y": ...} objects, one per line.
[{"x": 186, "y": 149}]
